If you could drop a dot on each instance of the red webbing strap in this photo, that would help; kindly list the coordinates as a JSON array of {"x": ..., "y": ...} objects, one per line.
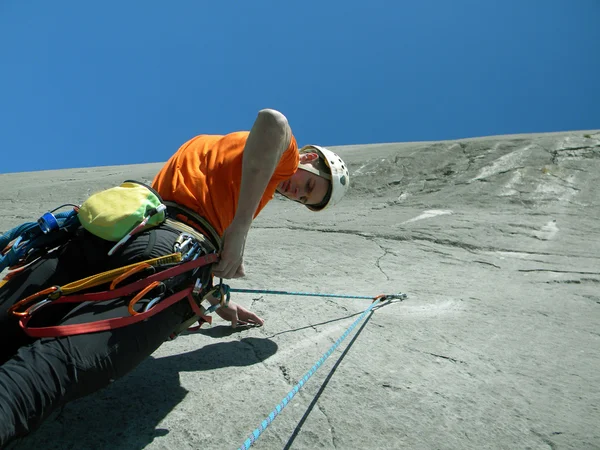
[
  {"x": 101, "y": 325},
  {"x": 195, "y": 306},
  {"x": 109, "y": 324}
]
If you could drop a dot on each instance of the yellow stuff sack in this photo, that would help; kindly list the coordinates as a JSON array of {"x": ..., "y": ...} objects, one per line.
[{"x": 113, "y": 213}]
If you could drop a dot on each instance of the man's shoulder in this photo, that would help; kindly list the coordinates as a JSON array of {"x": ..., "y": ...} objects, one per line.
[
  {"x": 216, "y": 137},
  {"x": 216, "y": 141}
]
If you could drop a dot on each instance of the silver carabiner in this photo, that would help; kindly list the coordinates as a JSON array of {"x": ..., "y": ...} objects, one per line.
[{"x": 152, "y": 303}]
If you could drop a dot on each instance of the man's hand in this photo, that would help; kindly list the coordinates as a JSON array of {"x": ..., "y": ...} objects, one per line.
[
  {"x": 238, "y": 315},
  {"x": 231, "y": 263}
]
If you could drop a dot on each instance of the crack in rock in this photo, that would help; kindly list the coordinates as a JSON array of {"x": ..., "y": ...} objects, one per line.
[
  {"x": 546, "y": 441},
  {"x": 593, "y": 298},
  {"x": 586, "y": 152},
  {"x": 470, "y": 158},
  {"x": 454, "y": 360},
  {"x": 488, "y": 263},
  {"x": 585, "y": 147},
  {"x": 420, "y": 237},
  {"x": 385, "y": 253},
  {"x": 495, "y": 174},
  {"x": 285, "y": 373},
  {"x": 257, "y": 299},
  {"x": 438, "y": 252},
  {"x": 330, "y": 423},
  {"x": 558, "y": 271},
  {"x": 565, "y": 183},
  {"x": 582, "y": 281},
  {"x": 337, "y": 305},
  {"x": 444, "y": 357},
  {"x": 449, "y": 242}
]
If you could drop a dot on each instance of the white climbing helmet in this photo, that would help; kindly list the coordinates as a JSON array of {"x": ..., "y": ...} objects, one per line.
[{"x": 340, "y": 178}]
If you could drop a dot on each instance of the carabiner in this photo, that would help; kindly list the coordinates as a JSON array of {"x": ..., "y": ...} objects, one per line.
[
  {"x": 152, "y": 302},
  {"x": 46, "y": 292},
  {"x": 182, "y": 242},
  {"x": 140, "y": 294}
]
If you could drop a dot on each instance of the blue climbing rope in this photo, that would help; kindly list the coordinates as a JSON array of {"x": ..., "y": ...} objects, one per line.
[
  {"x": 265, "y": 423},
  {"x": 312, "y": 294}
]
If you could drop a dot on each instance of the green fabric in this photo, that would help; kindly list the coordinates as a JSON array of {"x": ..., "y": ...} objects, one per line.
[{"x": 114, "y": 212}]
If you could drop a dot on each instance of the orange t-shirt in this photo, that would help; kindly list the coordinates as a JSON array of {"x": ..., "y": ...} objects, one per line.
[{"x": 205, "y": 175}]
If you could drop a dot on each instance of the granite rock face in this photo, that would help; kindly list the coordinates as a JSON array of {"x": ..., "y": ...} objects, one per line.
[{"x": 496, "y": 241}]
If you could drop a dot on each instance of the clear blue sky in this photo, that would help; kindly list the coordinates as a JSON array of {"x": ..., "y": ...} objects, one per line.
[{"x": 126, "y": 82}]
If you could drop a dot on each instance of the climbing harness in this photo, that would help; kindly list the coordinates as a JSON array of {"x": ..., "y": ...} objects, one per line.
[{"x": 55, "y": 295}]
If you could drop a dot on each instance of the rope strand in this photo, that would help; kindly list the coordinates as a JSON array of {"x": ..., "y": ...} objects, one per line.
[{"x": 400, "y": 296}]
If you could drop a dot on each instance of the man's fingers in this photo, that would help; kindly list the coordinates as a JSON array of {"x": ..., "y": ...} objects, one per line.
[{"x": 249, "y": 316}]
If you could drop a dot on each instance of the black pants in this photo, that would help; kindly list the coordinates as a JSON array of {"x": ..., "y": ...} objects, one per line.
[{"x": 39, "y": 376}]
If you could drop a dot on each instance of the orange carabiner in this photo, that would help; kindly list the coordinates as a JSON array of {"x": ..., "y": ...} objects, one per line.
[
  {"x": 47, "y": 292},
  {"x": 140, "y": 294},
  {"x": 136, "y": 269}
]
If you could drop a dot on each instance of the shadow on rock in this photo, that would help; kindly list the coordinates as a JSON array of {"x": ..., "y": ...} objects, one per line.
[
  {"x": 219, "y": 331},
  {"x": 126, "y": 414}
]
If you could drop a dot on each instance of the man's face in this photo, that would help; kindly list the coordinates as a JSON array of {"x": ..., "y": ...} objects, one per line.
[{"x": 305, "y": 187}]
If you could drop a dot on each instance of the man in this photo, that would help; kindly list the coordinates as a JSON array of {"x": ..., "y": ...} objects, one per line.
[
  {"x": 225, "y": 179},
  {"x": 204, "y": 173}
]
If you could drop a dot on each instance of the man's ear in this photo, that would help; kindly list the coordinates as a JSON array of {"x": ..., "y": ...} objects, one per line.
[{"x": 306, "y": 158}]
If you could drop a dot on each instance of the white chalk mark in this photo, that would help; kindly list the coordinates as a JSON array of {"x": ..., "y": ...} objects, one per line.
[
  {"x": 547, "y": 232},
  {"x": 359, "y": 170},
  {"x": 509, "y": 188},
  {"x": 429, "y": 214},
  {"x": 505, "y": 163}
]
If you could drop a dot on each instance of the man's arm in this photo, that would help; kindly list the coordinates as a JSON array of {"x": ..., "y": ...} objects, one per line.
[{"x": 268, "y": 139}]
